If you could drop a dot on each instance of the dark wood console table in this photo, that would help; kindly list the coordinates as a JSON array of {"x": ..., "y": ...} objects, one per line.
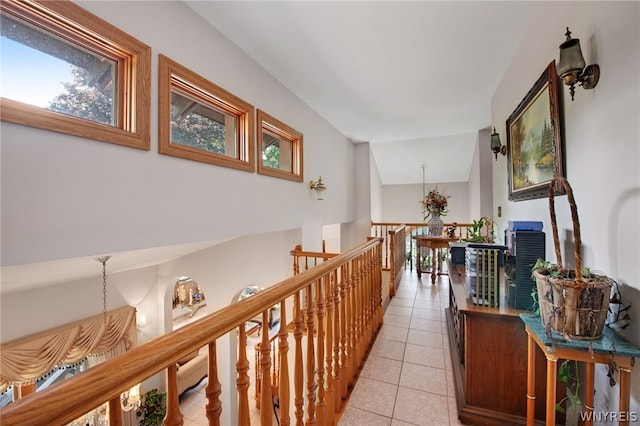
[{"x": 489, "y": 359}]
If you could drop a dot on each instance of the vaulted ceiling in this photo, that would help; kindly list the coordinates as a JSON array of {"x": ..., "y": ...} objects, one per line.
[{"x": 413, "y": 78}]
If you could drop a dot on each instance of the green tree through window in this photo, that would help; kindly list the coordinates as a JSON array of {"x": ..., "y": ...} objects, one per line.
[{"x": 82, "y": 100}]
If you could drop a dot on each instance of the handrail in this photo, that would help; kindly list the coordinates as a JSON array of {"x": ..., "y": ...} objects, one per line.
[
  {"x": 398, "y": 254},
  {"x": 382, "y": 229},
  {"x": 308, "y": 259},
  {"x": 342, "y": 315}
]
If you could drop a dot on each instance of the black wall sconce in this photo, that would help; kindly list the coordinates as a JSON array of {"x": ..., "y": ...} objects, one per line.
[
  {"x": 496, "y": 145},
  {"x": 571, "y": 66}
]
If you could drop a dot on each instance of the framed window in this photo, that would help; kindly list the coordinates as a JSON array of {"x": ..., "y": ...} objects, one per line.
[
  {"x": 280, "y": 148},
  {"x": 202, "y": 122},
  {"x": 68, "y": 71}
]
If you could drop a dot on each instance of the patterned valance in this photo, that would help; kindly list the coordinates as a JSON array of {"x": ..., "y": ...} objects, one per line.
[{"x": 25, "y": 360}]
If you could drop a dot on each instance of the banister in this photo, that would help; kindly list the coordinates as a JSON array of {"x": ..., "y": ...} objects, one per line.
[{"x": 69, "y": 399}]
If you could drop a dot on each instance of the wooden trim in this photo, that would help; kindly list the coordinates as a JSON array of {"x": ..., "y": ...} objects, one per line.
[
  {"x": 270, "y": 124},
  {"x": 173, "y": 76},
  {"x": 134, "y": 66}
]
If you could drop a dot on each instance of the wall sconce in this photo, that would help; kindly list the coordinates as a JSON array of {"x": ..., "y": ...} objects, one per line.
[
  {"x": 571, "y": 66},
  {"x": 496, "y": 145},
  {"x": 131, "y": 400},
  {"x": 319, "y": 188}
]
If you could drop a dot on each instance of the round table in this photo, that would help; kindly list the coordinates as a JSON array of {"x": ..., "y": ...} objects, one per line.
[{"x": 433, "y": 242}]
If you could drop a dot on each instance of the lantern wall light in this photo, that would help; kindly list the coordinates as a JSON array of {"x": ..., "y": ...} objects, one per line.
[
  {"x": 571, "y": 66},
  {"x": 319, "y": 188},
  {"x": 496, "y": 145}
]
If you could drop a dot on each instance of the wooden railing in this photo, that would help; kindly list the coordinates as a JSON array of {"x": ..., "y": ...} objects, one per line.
[
  {"x": 382, "y": 230},
  {"x": 398, "y": 249},
  {"x": 303, "y": 260},
  {"x": 336, "y": 313}
]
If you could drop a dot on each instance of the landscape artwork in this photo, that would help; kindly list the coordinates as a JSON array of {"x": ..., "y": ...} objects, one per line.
[{"x": 533, "y": 141}]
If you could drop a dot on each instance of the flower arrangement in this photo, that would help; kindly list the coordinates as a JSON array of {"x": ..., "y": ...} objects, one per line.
[{"x": 434, "y": 204}]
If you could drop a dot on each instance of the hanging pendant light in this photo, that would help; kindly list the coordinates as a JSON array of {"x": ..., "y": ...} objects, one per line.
[{"x": 104, "y": 260}]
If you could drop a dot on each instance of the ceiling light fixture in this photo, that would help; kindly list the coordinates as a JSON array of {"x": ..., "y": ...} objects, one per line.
[
  {"x": 496, "y": 145},
  {"x": 571, "y": 66},
  {"x": 319, "y": 188},
  {"x": 104, "y": 260}
]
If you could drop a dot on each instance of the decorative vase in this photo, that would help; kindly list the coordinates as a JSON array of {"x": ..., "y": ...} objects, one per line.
[{"x": 435, "y": 224}]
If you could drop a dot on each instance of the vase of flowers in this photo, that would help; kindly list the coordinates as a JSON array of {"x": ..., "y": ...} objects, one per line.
[{"x": 434, "y": 205}]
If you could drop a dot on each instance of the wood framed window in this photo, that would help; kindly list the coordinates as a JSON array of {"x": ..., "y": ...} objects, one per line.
[
  {"x": 66, "y": 70},
  {"x": 280, "y": 148},
  {"x": 202, "y": 122}
]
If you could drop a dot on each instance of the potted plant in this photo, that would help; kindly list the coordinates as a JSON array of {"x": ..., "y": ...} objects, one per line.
[
  {"x": 153, "y": 408},
  {"x": 475, "y": 231},
  {"x": 573, "y": 302},
  {"x": 434, "y": 205}
]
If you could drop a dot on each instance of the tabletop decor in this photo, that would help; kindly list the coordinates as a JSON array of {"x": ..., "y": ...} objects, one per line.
[
  {"x": 434, "y": 205},
  {"x": 534, "y": 144}
]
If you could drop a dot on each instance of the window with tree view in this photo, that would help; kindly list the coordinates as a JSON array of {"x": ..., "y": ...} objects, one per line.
[
  {"x": 77, "y": 82},
  {"x": 281, "y": 148},
  {"x": 65, "y": 70},
  {"x": 202, "y": 127},
  {"x": 202, "y": 122}
]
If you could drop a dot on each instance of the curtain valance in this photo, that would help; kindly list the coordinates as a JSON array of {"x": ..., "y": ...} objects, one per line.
[{"x": 23, "y": 361}]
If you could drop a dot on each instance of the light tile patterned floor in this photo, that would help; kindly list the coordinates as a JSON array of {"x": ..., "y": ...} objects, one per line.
[{"x": 407, "y": 379}]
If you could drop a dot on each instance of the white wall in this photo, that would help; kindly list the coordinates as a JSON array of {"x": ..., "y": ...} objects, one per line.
[
  {"x": 401, "y": 203},
  {"x": 602, "y": 140},
  {"x": 66, "y": 197}
]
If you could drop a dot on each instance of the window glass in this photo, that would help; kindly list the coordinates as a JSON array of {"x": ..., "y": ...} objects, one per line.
[
  {"x": 276, "y": 152},
  {"x": 202, "y": 122},
  {"x": 280, "y": 147},
  {"x": 203, "y": 127},
  {"x": 49, "y": 72},
  {"x": 66, "y": 70}
]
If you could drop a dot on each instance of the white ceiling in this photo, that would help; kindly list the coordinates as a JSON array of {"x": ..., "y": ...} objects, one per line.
[{"x": 413, "y": 78}]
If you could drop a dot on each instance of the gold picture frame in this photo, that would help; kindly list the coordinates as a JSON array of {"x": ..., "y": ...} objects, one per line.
[{"x": 534, "y": 141}]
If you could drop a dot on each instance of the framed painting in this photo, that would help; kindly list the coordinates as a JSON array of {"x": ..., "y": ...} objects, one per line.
[{"x": 534, "y": 142}]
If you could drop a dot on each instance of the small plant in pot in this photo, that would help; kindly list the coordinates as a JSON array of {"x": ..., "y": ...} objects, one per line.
[
  {"x": 153, "y": 408},
  {"x": 475, "y": 234}
]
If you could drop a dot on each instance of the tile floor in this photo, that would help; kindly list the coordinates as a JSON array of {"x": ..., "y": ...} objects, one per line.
[{"x": 407, "y": 378}]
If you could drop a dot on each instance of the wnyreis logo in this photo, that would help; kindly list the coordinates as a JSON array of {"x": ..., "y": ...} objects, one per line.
[{"x": 610, "y": 416}]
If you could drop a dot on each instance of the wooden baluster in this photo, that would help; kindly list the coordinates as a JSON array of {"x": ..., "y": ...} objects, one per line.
[
  {"x": 283, "y": 350},
  {"x": 344, "y": 340},
  {"x": 330, "y": 395},
  {"x": 242, "y": 381},
  {"x": 174, "y": 415},
  {"x": 266, "y": 401},
  {"x": 214, "y": 388},
  {"x": 298, "y": 378},
  {"x": 364, "y": 310},
  {"x": 352, "y": 323},
  {"x": 369, "y": 301},
  {"x": 357, "y": 324},
  {"x": 115, "y": 412},
  {"x": 320, "y": 313},
  {"x": 311, "y": 382},
  {"x": 337, "y": 380},
  {"x": 392, "y": 266},
  {"x": 378, "y": 276},
  {"x": 256, "y": 373}
]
